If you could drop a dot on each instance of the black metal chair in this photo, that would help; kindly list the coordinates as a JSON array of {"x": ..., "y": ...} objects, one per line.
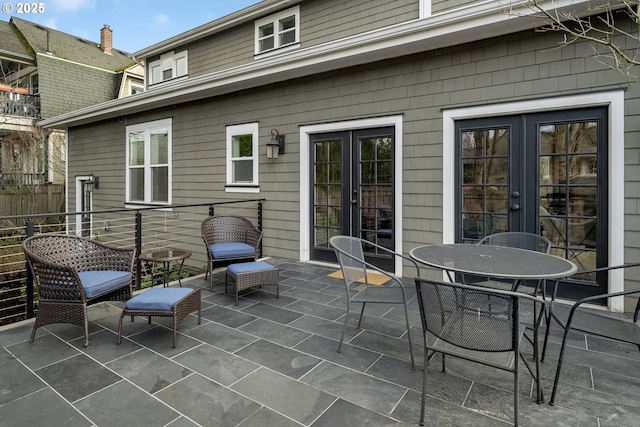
[
  {"x": 350, "y": 254},
  {"x": 578, "y": 317},
  {"x": 515, "y": 239},
  {"x": 476, "y": 324}
]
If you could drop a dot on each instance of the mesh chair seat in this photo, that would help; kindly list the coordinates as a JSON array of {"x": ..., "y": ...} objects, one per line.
[
  {"x": 577, "y": 317},
  {"x": 350, "y": 254},
  {"x": 478, "y": 324}
]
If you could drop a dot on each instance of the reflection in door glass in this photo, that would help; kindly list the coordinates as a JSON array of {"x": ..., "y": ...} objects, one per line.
[
  {"x": 376, "y": 191},
  {"x": 568, "y": 190},
  {"x": 485, "y": 168},
  {"x": 327, "y": 191}
]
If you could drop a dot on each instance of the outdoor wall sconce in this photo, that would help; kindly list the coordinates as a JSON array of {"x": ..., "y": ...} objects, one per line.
[{"x": 275, "y": 146}]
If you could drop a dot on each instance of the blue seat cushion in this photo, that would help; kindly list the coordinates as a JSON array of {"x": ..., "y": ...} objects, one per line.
[
  {"x": 246, "y": 267},
  {"x": 157, "y": 299},
  {"x": 99, "y": 282},
  {"x": 231, "y": 250}
]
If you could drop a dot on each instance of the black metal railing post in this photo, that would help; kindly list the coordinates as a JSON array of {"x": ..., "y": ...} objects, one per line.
[
  {"x": 210, "y": 210},
  {"x": 260, "y": 223},
  {"x": 30, "y": 310},
  {"x": 138, "y": 250}
]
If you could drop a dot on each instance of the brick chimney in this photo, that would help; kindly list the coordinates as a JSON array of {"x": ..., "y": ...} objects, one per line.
[{"x": 106, "y": 39}]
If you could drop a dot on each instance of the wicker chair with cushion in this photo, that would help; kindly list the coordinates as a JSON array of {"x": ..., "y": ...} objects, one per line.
[
  {"x": 229, "y": 239},
  {"x": 73, "y": 272}
]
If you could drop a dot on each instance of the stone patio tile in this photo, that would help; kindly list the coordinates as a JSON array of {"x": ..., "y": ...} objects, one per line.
[
  {"x": 160, "y": 339},
  {"x": 17, "y": 380},
  {"x": 266, "y": 417},
  {"x": 148, "y": 370},
  {"x": 318, "y": 310},
  {"x": 442, "y": 414},
  {"x": 325, "y": 328},
  {"x": 276, "y": 314},
  {"x": 307, "y": 295},
  {"x": 207, "y": 403},
  {"x": 281, "y": 359},
  {"x": 306, "y": 283},
  {"x": 343, "y": 413},
  {"x": 222, "y": 337},
  {"x": 284, "y": 395},
  {"x": 16, "y": 333},
  {"x": 103, "y": 346},
  {"x": 42, "y": 408},
  {"x": 213, "y": 363},
  {"x": 125, "y": 405},
  {"x": 387, "y": 345},
  {"x": 228, "y": 317},
  {"x": 45, "y": 350},
  {"x": 352, "y": 357},
  {"x": 77, "y": 377},
  {"x": 355, "y": 387},
  {"x": 275, "y": 332}
]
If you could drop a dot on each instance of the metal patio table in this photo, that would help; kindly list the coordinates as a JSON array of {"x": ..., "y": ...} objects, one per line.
[
  {"x": 166, "y": 256},
  {"x": 499, "y": 262}
]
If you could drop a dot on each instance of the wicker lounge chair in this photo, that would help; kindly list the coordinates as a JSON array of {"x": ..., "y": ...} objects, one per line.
[
  {"x": 73, "y": 272},
  {"x": 229, "y": 239}
]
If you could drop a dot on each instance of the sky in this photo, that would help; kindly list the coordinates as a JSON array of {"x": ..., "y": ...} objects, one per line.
[{"x": 136, "y": 24}]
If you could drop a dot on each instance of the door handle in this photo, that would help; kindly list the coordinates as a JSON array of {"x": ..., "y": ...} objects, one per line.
[{"x": 515, "y": 207}]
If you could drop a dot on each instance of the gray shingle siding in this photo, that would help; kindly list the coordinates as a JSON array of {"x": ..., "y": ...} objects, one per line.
[
  {"x": 418, "y": 87},
  {"x": 71, "y": 86}
]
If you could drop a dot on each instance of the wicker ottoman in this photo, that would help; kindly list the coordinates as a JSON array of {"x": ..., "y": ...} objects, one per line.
[
  {"x": 250, "y": 274},
  {"x": 163, "y": 302}
]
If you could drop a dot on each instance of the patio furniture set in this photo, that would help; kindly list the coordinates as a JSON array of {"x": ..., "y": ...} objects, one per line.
[
  {"x": 481, "y": 321},
  {"x": 74, "y": 272}
]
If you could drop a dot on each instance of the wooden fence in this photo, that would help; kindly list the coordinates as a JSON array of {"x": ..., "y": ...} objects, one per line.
[{"x": 31, "y": 199}]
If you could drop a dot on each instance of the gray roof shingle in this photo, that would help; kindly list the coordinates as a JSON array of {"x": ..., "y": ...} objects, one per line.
[{"x": 69, "y": 47}]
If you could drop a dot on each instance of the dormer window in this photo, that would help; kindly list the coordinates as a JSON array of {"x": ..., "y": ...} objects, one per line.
[
  {"x": 170, "y": 66},
  {"x": 278, "y": 31}
]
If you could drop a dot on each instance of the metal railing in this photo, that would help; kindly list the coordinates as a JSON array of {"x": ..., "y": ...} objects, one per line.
[
  {"x": 176, "y": 226},
  {"x": 12, "y": 104}
]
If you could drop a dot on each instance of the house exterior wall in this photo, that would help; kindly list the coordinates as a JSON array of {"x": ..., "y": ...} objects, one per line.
[
  {"x": 235, "y": 46},
  {"x": 522, "y": 66},
  {"x": 438, "y": 6},
  {"x": 70, "y": 86}
]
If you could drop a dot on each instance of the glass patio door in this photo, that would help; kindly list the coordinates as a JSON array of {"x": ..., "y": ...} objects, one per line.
[
  {"x": 542, "y": 173},
  {"x": 352, "y": 188}
]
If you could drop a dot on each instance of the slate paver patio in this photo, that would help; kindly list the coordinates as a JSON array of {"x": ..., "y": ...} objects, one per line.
[{"x": 273, "y": 362}]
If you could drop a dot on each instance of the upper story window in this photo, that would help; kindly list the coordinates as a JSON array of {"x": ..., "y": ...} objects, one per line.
[
  {"x": 242, "y": 157},
  {"x": 278, "y": 31},
  {"x": 170, "y": 66},
  {"x": 149, "y": 162}
]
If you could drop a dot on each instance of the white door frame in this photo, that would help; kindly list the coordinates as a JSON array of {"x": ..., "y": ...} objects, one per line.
[
  {"x": 80, "y": 181},
  {"x": 305, "y": 176},
  {"x": 614, "y": 100}
]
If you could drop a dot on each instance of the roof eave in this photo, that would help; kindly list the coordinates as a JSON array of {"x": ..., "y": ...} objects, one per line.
[{"x": 448, "y": 29}]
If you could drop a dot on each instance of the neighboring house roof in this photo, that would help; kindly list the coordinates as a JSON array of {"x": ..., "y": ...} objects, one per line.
[
  {"x": 61, "y": 45},
  {"x": 12, "y": 46},
  {"x": 467, "y": 24}
]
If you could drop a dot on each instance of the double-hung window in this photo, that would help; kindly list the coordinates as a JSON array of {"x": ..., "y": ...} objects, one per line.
[
  {"x": 278, "y": 31},
  {"x": 149, "y": 163},
  {"x": 170, "y": 65},
  {"x": 242, "y": 157}
]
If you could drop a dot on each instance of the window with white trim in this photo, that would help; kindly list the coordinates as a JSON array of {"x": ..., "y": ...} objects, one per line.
[
  {"x": 170, "y": 66},
  {"x": 242, "y": 156},
  {"x": 278, "y": 31},
  {"x": 149, "y": 169}
]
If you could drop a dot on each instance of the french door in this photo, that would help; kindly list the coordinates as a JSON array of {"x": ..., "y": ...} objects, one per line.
[
  {"x": 542, "y": 173},
  {"x": 352, "y": 191}
]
